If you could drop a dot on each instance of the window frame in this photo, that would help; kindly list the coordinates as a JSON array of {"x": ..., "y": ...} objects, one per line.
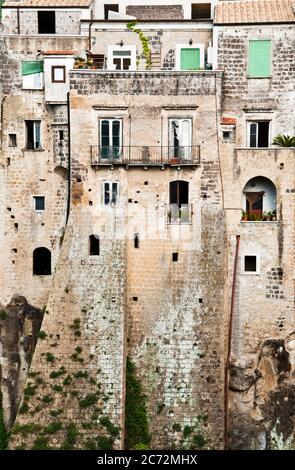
[
  {"x": 110, "y": 120},
  {"x": 35, "y": 197},
  {"x": 53, "y": 67},
  {"x": 29, "y": 81},
  {"x": 46, "y": 10},
  {"x": 250, "y": 273},
  {"x": 113, "y": 48},
  {"x": 257, "y": 121},
  {"x": 110, "y": 203},
  {"x": 270, "y": 59},
  {"x": 170, "y": 146},
  {"x": 34, "y": 148},
  {"x": 178, "y": 49},
  {"x": 10, "y": 134}
]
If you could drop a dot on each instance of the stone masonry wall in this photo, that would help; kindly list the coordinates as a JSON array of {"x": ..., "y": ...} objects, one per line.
[
  {"x": 155, "y": 12},
  {"x": 66, "y": 22}
]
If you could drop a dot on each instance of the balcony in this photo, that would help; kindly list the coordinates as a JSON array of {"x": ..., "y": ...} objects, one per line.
[
  {"x": 145, "y": 156},
  {"x": 179, "y": 213}
]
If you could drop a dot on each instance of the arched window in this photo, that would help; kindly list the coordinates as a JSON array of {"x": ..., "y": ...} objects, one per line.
[
  {"x": 259, "y": 199},
  {"x": 42, "y": 262},
  {"x": 94, "y": 245}
]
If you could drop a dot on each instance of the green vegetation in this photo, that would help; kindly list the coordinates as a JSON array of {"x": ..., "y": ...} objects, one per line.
[
  {"x": 47, "y": 399},
  {"x": 50, "y": 357},
  {"x": 89, "y": 400},
  {"x": 29, "y": 391},
  {"x": 57, "y": 373},
  {"x": 42, "y": 335},
  {"x": 26, "y": 429},
  {"x": 104, "y": 443},
  {"x": 136, "y": 422},
  {"x": 144, "y": 42},
  {"x": 187, "y": 430},
  {"x": 57, "y": 388},
  {"x": 3, "y": 314},
  {"x": 53, "y": 428},
  {"x": 68, "y": 380},
  {"x": 78, "y": 350},
  {"x": 199, "y": 441},
  {"x": 106, "y": 423},
  {"x": 41, "y": 443},
  {"x": 24, "y": 408},
  {"x": 176, "y": 427},
  {"x": 160, "y": 408},
  {"x": 57, "y": 412},
  {"x": 283, "y": 140},
  {"x": 71, "y": 437},
  {"x": 81, "y": 375},
  {"x": 4, "y": 436}
]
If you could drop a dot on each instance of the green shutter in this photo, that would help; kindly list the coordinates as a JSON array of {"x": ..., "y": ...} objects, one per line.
[
  {"x": 259, "y": 58},
  {"x": 189, "y": 59},
  {"x": 32, "y": 67},
  {"x": 1, "y": 3}
]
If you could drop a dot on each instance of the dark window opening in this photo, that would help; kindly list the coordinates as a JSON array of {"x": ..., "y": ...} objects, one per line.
[
  {"x": 110, "y": 193},
  {"x": 107, "y": 8},
  {"x": 201, "y": 11},
  {"x": 94, "y": 245},
  {"x": 61, "y": 135},
  {"x": 179, "y": 192},
  {"x": 46, "y": 22},
  {"x": 226, "y": 135},
  {"x": 39, "y": 202},
  {"x": 200, "y": 301},
  {"x": 33, "y": 135},
  {"x": 250, "y": 264},
  {"x": 135, "y": 299},
  {"x": 259, "y": 134},
  {"x": 174, "y": 257},
  {"x": 12, "y": 140},
  {"x": 42, "y": 262},
  {"x": 136, "y": 241}
]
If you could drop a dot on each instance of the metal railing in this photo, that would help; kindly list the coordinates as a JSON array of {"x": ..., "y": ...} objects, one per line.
[
  {"x": 179, "y": 213},
  {"x": 145, "y": 155}
]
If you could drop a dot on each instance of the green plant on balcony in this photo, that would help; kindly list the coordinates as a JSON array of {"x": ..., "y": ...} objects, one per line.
[
  {"x": 283, "y": 140},
  {"x": 244, "y": 215}
]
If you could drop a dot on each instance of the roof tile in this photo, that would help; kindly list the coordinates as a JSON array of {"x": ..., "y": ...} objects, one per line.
[{"x": 254, "y": 11}]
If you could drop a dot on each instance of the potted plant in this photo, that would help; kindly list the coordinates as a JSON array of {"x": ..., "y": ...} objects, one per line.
[
  {"x": 274, "y": 215},
  {"x": 174, "y": 161},
  {"x": 267, "y": 215},
  {"x": 244, "y": 216}
]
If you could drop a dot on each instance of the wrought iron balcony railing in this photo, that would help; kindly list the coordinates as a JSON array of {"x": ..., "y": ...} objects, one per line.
[
  {"x": 145, "y": 155},
  {"x": 179, "y": 213}
]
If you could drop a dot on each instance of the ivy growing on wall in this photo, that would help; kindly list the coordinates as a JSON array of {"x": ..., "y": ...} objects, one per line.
[
  {"x": 144, "y": 41},
  {"x": 136, "y": 421},
  {"x": 3, "y": 433}
]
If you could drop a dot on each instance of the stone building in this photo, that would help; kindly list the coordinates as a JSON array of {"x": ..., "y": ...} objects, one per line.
[{"x": 133, "y": 136}]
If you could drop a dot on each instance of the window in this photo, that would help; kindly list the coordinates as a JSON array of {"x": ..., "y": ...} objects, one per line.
[
  {"x": 110, "y": 193},
  {"x": 33, "y": 135},
  {"x": 107, "y": 8},
  {"x": 258, "y": 134},
  {"x": 39, "y": 203},
  {"x": 94, "y": 248},
  {"x": 174, "y": 257},
  {"x": 250, "y": 264},
  {"x": 179, "y": 207},
  {"x": 32, "y": 74},
  {"x": 136, "y": 240},
  {"x": 42, "y": 262},
  {"x": 122, "y": 57},
  {"x": 259, "y": 64},
  {"x": 58, "y": 74},
  {"x": 110, "y": 138},
  {"x": 201, "y": 11},
  {"x": 180, "y": 139},
  {"x": 46, "y": 22},
  {"x": 12, "y": 140}
]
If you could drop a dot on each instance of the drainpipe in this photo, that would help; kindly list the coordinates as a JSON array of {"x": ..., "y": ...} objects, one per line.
[
  {"x": 18, "y": 20},
  {"x": 227, "y": 364},
  {"x": 89, "y": 36},
  {"x": 1, "y": 130},
  {"x": 69, "y": 157}
]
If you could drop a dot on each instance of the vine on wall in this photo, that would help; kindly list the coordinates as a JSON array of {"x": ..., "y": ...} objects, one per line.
[{"x": 144, "y": 41}]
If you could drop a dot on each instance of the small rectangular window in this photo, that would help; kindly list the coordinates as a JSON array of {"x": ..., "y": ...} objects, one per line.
[
  {"x": 12, "y": 140},
  {"x": 58, "y": 74},
  {"x": 201, "y": 11},
  {"x": 33, "y": 135},
  {"x": 259, "y": 63},
  {"x": 180, "y": 139},
  {"x": 250, "y": 264},
  {"x": 46, "y": 22},
  {"x": 110, "y": 193},
  {"x": 109, "y": 7},
  {"x": 258, "y": 134},
  {"x": 39, "y": 203},
  {"x": 94, "y": 248}
]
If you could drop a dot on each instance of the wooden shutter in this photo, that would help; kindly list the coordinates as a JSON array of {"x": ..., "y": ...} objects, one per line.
[
  {"x": 189, "y": 58},
  {"x": 259, "y": 58}
]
